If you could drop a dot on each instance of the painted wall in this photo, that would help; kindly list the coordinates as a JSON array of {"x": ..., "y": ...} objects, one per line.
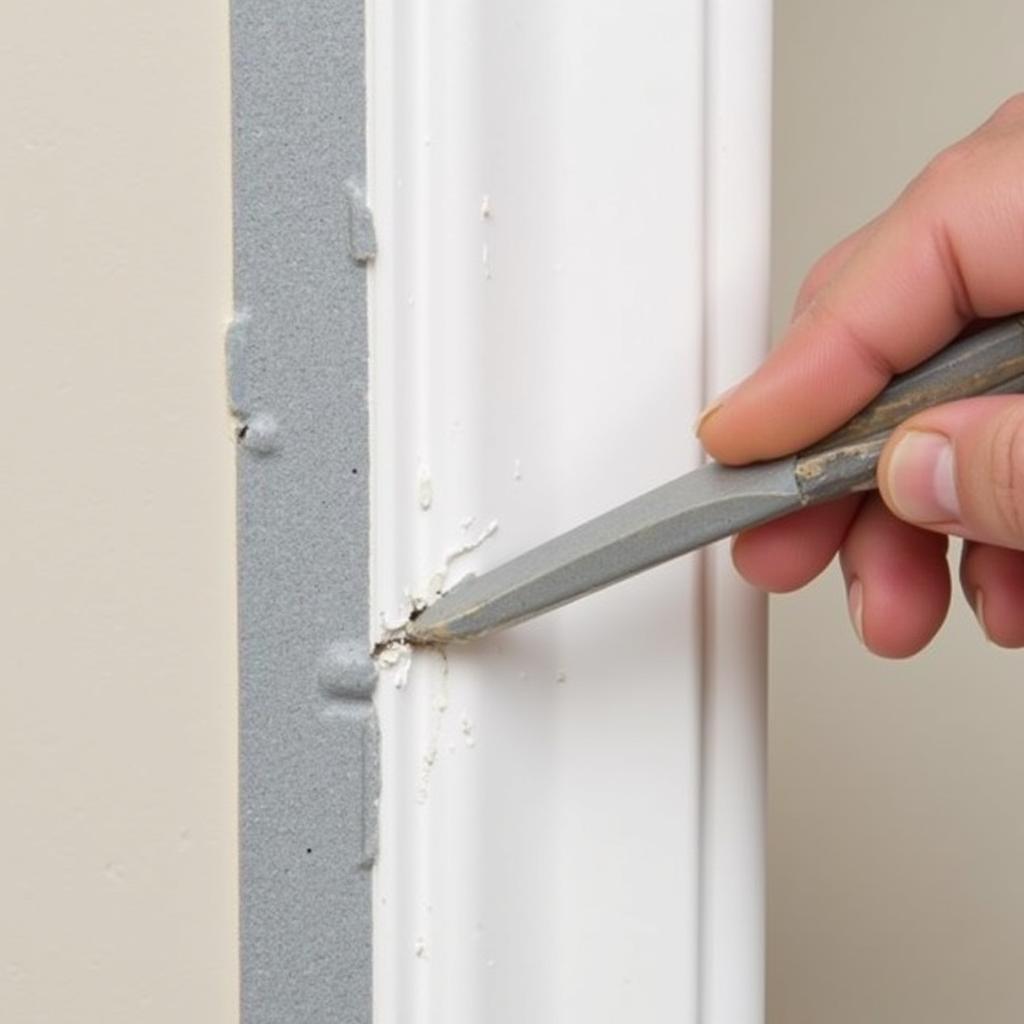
[
  {"x": 117, "y": 667},
  {"x": 896, "y": 835},
  {"x": 895, "y": 838}
]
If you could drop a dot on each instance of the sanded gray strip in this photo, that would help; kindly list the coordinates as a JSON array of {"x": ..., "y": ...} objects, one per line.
[{"x": 297, "y": 354}]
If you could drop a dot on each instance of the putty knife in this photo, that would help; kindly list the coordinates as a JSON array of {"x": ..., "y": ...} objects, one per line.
[{"x": 715, "y": 501}]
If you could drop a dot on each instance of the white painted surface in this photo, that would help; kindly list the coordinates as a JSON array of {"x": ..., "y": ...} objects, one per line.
[
  {"x": 538, "y": 318},
  {"x": 738, "y": 203}
]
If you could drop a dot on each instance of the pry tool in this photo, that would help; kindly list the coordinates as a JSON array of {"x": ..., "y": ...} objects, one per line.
[{"x": 715, "y": 501}]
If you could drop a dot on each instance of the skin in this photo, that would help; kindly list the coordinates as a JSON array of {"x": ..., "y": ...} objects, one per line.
[{"x": 948, "y": 254}]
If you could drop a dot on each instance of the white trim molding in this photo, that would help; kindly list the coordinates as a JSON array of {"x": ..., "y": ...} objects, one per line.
[{"x": 571, "y": 206}]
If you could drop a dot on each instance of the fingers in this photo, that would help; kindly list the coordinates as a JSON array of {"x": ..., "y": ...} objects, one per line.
[
  {"x": 828, "y": 266},
  {"x": 993, "y": 582},
  {"x": 948, "y": 251},
  {"x": 959, "y": 468},
  {"x": 788, "y": 553},
  {"x": 897, "y": 581},
  {"x": 896, "y": 575}
]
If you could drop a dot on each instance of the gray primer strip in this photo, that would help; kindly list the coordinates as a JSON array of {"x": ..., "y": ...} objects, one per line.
[{"x": 297, "y": 360}]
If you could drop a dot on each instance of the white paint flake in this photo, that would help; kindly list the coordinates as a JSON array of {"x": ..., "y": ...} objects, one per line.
[
  {"x": 440, "y": 706},
  {"x": 424, "y": 487},
  {"x": 394, "y": 661},
  {"x": 470, "y": 545},
  {"x": 438, "y": 579}
]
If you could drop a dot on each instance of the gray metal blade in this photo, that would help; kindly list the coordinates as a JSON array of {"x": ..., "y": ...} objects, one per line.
[{"x": 696, "y": 509}]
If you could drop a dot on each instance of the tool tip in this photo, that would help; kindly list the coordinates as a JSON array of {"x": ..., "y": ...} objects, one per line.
[{"x": 424, "y": 629}]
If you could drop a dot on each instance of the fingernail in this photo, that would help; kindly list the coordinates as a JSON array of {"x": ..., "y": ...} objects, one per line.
[
  {"x": 711, "y": 408},
  {"x": 922, "y": 484},
  {"x": 855, "y": 604},
  {"x": 979, "y": 611}
]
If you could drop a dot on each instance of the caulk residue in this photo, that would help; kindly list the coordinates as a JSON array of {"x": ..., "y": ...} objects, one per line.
[
  {"x": 394, "y": 659},
  {"x": 437, "y": 581},
  {"x": 439, "y": 706},
  {"x": 424, "y": 487},
  {"x": 392, "y": 632}
]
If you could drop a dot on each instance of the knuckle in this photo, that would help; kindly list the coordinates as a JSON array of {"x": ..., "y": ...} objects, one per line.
[
  {"x": 1006, "y": 471},
  {"x": 942, "y": 171},
  {"x": 809, "y": 288},
  {"x": 823, "y": 270},
  {"x": 1011, "y": 109},
  {"x": 958, "y": 164}
]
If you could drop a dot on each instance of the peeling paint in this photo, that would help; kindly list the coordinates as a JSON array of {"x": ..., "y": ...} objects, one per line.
[
  {"x": 424, "y": 487},
  {"x": 439, "y": 706},
  {"x": 413, "y": 601},
  {"x": 439, "y": 579},
  {"x": 394, "y": 660},
  {"x": 464, "y": 549}
]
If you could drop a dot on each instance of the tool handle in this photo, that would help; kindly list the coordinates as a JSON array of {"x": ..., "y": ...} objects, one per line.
[{"x": 990, "y": 362}]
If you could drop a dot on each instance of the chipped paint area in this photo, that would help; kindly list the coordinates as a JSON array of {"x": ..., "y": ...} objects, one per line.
[
  {"x": 452, "y": 555},
  {"x": 391, "y": 628},
  {"x": 439, "y": 705},
  {"x": 394, "y": 659},
  {"x": 471, "y": 545},
  {"x": 424, "y": 487}
]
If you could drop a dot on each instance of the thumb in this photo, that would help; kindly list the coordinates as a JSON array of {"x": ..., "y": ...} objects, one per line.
[{"x": 959, "y": 469}]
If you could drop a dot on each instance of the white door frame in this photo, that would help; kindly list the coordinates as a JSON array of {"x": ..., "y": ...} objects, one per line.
[{"x": 572, "y": 206}]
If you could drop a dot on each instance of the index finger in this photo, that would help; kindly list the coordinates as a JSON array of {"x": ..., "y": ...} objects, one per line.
[{"x": 950, "y": 250}]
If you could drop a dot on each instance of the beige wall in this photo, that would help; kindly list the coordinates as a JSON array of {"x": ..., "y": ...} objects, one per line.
[
  {"x": 117, "y": 674},
  {"x": 896, "y": 851},
  {"x": 897, "y": 832}
]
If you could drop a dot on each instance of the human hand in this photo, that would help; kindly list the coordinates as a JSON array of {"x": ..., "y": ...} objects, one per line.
[{"x": 947, "y": 254}]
